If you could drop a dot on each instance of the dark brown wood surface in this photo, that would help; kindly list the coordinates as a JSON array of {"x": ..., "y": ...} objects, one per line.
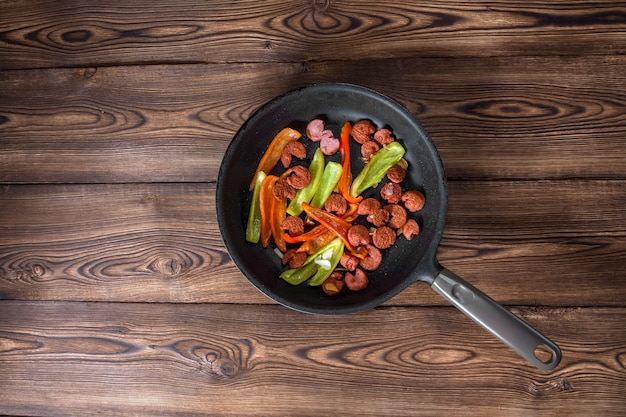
[{"x": 117, "y": 296}]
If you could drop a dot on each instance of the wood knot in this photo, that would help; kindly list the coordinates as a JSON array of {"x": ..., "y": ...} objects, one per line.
[
  {"x": 26, "y": 273},
  {"x": 321, "y": 6},
  {"x": 168, "y": 265}
]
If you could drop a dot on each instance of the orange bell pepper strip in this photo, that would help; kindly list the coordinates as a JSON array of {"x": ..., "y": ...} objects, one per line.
[
  {"x": 338, "y": 225},
  {"x": 278, "y": 213},
  {"x": 346, "y": 175},
  {"x": 313, "y": 245},
  {"x": 274, "y": 151},
  {"x": 266, "y": 198}
]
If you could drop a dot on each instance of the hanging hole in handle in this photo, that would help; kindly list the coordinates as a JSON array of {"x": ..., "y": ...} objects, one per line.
[{"x": 544, "y": 354}]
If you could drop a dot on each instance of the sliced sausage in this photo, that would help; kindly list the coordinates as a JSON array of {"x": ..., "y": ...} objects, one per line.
[
  {"x": 391, "y": 192},
  {"x": 368, "y": 149},
  {"x": 358, "y": 235},
  {"x": 362, "y": 130},
  {"x": 396, "y": 174},
  {"x": 410, "y": 229},
  {"x": 283, "y": 190},
  {"x": 398, "y": 215},
  {"x": 333, "y": 284},
  {"x": 300, "y": 177},
  {"x": 383, "y": 136},
  {"x": 336, "y": 203},
  {"x": 384, "y": 237},
  {"x": 368, "y": 206},
  {"x": 349, "y": 261},
  {"x": 293, "y": 148},
  {"x": 413, "y": 200},
  {"x": 294, "y": 259},
  {"x": 373, "y": 259},
  {"x": 329, "y": 145},
  {"x": 356, "y": 281},
  {"x": 293, "y": 225},
  {"x": 379, "y": 217}
]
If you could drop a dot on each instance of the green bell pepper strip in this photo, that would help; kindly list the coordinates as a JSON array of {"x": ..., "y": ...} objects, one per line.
[
  {"x": 377, "y": 167},
  {"x": 310, "y": 268},
  {"x": 330, "y": 178},
  {"x": 306, "y": 194},
  {"x": 253, "y": 228},
  {"x": 323, "y": 273}
]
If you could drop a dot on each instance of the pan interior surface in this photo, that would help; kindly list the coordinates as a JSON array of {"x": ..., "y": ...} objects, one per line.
[{"x": 403, "y": 263}]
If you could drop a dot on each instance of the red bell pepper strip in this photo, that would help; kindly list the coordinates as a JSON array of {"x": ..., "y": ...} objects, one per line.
[
  {"x": 338, "y": 225},
  {"x": 266, "y": 197},
  {"x": 274, "y": 151},
  {"x": 316, "y": 232},
  {"x": 346, "y": 175},
  {"x": 320, "y": 229}
]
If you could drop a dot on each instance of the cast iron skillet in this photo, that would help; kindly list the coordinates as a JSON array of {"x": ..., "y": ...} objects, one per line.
[{"x": 404, "y": 263}]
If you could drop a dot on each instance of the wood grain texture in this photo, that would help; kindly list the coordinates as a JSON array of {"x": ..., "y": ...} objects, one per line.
[
  {"x": 37, "y": 34},
  {"x": 513, "y": 118},
  {"x": 163, "y": 359},
  {"x": 161, "y": 243}
]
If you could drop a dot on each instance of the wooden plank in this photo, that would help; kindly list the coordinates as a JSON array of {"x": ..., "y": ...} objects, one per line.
[
  {"x": 148, "y": 359},
  {"x": 490, "y": 118},
  {"x": 37, "y": 34},
  {"x": 161, "y": 243}
]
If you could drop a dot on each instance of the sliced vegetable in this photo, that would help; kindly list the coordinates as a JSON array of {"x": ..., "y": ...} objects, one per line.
[
  {"x": 337, "y": 225},
  {"x": 266, "y": 198},
  {"x": 313, "y": 245},
  {"x": 278, "y": 212},
  {"x": 272, "y": 154},
  {"x": 324, "y": 257},
  {"x": 253, "y": 228},
  {"x": 306, "y": 194},
  {"x": 332, "y": 174},
  {"x": 346, "y": 174},
  {"x": 377, "y": 167},
  {"x": 331, "y": 259}
]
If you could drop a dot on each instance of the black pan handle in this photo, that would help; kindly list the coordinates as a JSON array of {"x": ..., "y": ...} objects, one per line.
[{"x": 500, "y": 322}]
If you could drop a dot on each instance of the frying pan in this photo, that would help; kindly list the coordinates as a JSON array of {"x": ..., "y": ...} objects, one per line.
[{"x": 403, "y": 264}]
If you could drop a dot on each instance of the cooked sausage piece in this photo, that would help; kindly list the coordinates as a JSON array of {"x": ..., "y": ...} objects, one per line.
[
  {"x": 368, "y": 149},
  {"x": 336, "y": 203},
  {"x": 283, "y": 190},
  {"x": 391, "y": 192},
  {"x": 413, "y": 200},
  {"x": 379, "y": 217},
  {"x": 396, "y": 174},
  {"x": 329, "y": 145},
  {"x": 300, "y": 177},
  {"x": 373, "y": 259},
  {"x": 315, "y": 130},
  {"x": 398, "y": 215},
  {"x": 410, "y": 229},
  {"x": 294, "y": 259},
  {"x": 293, "y": 148},
  {"x": 293, "y": 225},
  {"x": 384, "y": 237},
  {"x": 358, "y": 235},
  {"x": 383, "y": 136},
  {"x": 333, "y": 284},
  {"x": 349, "y": 261},
  {"x": 356, "y": 281},
  {"x": 362, "y": 130},
  {"x": 368, "y": 206}
]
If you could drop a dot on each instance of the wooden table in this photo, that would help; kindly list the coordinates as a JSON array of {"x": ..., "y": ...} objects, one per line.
[{"x": 117, "y": 296}]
